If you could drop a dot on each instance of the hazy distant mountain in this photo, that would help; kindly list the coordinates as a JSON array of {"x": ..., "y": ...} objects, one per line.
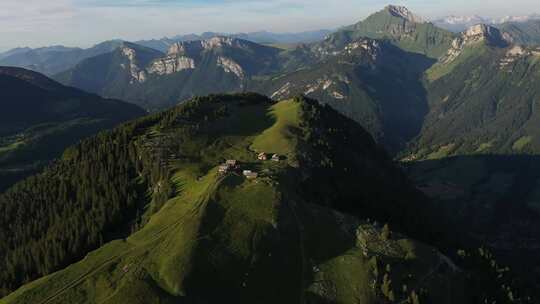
[
  {"x": 263, "y": 37},
  {"x": 54, "y": 59},
  {"x": 526, "y": 33},
  {"x": 461, "y": 23},
  {"x": 14, "y": 51}
]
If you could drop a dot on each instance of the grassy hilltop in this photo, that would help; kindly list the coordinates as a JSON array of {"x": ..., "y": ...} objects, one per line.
[{"x": 202, "y": 236}]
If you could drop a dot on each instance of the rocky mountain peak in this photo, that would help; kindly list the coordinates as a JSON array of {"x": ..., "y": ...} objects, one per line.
[
  {"x": 405, "y": 13},
  {"x": 479, "y": 30},
  {"x": 483, "y": 32}
]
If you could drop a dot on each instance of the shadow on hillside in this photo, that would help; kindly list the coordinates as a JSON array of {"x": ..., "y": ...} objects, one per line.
[
  {"x": 495, "y": 199},
  {"x": 401, "y": 95}
]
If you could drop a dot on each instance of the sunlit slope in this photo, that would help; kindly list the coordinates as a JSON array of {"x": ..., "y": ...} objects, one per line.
[{"x": 222, "y": 237}]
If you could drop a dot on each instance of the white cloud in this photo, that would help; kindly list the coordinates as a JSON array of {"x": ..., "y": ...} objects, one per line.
[
  {"x": 83, "y": 22},
  {"x": 31, "y": 15}
]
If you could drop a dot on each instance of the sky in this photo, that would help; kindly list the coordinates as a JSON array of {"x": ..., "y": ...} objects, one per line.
[{"x": 36, "y": 23}]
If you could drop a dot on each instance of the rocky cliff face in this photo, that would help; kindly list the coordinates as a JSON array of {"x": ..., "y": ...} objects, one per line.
[
  {"x": 183, "y": 56},
  {"x": 369, "y": 47},
  {"x": 230, "y": 66},
  {"x": 516, "y": 53},
  {"x": 171, "y": 64},
  {"x": 137, "y": 74},
  {"x": 331, "y": 49},
  {"x": 482, "y": 32}
]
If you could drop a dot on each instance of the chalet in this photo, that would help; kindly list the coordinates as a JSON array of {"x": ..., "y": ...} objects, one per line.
[
  {"x": 232, "y": 163},
  {"x": 250, "y": 174},
  {"x": 223, "y": 168},
  {"x": 262, "y": 156},
  {"x": 276, "y": 158},
  {"x": 228, "y": 166}
]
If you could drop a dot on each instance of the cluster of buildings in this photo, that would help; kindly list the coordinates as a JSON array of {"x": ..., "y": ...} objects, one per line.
[
  {"x": 232, "y": 165},
  {"x": 264, "y": 156},
  {"x": 228, "y": 166}
]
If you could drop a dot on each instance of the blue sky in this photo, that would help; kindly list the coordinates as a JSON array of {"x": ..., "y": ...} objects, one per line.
[{"x": 85, "y": 22}]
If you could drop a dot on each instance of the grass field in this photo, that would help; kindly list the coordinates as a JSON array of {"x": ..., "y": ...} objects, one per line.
[{"x": 280, "y": 138}]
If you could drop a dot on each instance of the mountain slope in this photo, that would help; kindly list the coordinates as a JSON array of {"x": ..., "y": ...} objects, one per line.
[
  {"x": 482, "y": 99},
  {"x": 111, "y": 74},
  {"x": 40, "y": 117},
  {"x": 55, "y": 59},
  {"x": 374, "y": 83},
  {"x": 198, "y": 225}
]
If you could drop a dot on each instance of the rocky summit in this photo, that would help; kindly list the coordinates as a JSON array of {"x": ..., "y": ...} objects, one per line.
[{"x": 405, "y": 13}]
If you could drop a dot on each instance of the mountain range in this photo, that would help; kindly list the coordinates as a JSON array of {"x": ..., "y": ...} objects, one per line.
[
  {"x": 235, "y": 65},
  {"x": 55, "y": 59},
  {"x": 262, "y": 37},
  {"x": 352, "y": 70}
]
